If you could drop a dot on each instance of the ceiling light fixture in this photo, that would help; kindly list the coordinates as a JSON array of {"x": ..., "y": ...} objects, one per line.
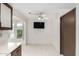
[{"x": 42, "y": 16}]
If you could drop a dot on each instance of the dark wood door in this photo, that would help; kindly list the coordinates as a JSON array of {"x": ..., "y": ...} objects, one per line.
[{"x": 67, "y": 34}]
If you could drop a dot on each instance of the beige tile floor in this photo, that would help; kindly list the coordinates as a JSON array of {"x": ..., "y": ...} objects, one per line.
[{"x": 39, "y": 50}]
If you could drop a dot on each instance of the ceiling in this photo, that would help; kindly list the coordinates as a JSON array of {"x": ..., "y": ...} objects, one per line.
[{"x": 36, "y": 8}]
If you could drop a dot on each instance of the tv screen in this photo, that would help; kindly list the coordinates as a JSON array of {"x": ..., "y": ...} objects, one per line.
[{"x": 39, "y": 25}]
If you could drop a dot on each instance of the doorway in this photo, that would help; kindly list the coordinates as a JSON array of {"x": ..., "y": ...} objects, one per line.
[{"x": 67, "y": 33}]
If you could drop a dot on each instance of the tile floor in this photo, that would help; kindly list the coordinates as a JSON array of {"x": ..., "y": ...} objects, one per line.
[{"x": 39, "y": 50}]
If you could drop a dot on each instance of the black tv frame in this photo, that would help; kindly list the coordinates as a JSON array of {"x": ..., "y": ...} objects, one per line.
[{"x": 39, "y": 25}]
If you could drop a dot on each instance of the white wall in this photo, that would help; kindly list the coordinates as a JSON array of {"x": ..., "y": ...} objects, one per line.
[
  {"x": 50, "y": 35},
  {"x": 77, "y": 30}
]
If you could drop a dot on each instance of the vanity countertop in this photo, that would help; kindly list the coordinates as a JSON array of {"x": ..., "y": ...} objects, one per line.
[{"x": 6, "y": 49}]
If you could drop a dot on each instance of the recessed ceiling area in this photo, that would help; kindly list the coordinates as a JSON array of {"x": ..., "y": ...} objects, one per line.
[{"x": 47, "y": 8}]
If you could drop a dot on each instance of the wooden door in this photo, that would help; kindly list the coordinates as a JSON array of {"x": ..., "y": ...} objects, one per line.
[{"x": 67, "y": 34}]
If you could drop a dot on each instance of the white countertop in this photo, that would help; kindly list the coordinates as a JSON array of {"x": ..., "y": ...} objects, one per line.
[{"x": 6, "y": 49}]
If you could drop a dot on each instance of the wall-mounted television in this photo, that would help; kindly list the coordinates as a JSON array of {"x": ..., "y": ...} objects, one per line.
[{"x": 39, "y": 25}]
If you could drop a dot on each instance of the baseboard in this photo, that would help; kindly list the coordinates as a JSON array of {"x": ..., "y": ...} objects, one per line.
[{"x": 41, "y": 44}]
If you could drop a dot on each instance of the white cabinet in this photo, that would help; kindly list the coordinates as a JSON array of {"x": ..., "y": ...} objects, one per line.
[
  {"x": 3, "y": 54},
  {"x": 5, "y": 16},
  {"x": 9, "y": 54}
]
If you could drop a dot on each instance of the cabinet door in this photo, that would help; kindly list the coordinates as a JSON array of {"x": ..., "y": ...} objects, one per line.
[{"x": 6, "y": 16}]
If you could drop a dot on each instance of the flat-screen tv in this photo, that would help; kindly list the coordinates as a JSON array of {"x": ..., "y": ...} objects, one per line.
[{"x": 39, "y": 25}]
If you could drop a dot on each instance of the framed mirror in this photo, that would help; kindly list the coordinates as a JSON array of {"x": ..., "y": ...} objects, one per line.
[{"x": 6, "y": 13}]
